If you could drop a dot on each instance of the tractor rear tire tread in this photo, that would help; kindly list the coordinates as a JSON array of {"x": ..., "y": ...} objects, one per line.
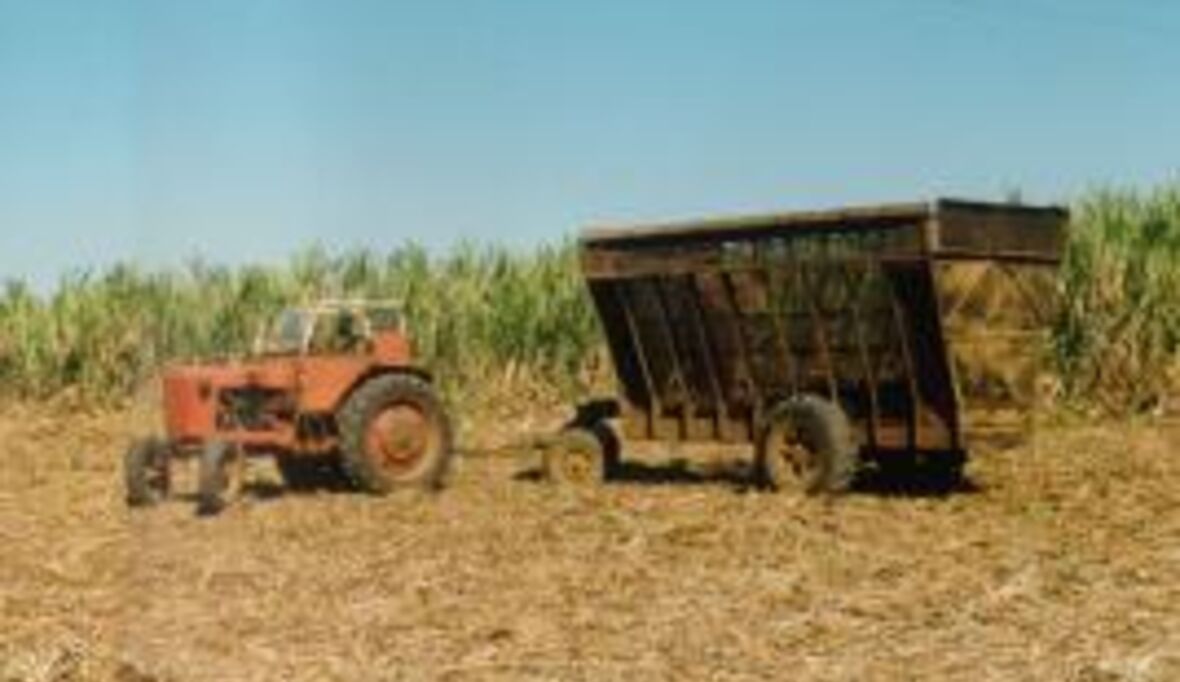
[{"x": 364, "y": 404}]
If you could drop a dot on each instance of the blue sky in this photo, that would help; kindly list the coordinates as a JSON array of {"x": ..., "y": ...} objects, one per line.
[{"x": 245, "y": 130}]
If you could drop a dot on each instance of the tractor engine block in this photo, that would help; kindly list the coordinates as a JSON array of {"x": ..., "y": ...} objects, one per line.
[{"x": 254, "y": 409}]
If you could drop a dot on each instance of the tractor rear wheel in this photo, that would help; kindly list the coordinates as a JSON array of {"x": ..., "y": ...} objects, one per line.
[
  {"x": 146, "y": 472},
  {"x": 218, "y": 476},
  {"x": 806, "y": 445},
  {"x": 395, "y": 434}
]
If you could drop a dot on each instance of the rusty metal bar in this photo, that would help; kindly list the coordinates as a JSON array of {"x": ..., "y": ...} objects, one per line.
[
  {"x": 939, "y": 369},
  {"x": 654, "y": 407},
  {"x": 752, "y": 226},
  {"x": 870, "y": 380},
  {"x": 913, "y": 426},
  {"x": 747, "y": 374},
  {"x": 782, "y": 340},
  {"x": 618, "y": 264},
  {"x": 679, "y": 382},
  {"x": 798, "y": 363},
  {"x": 708, "y": 352},
  {"x": 821, "y": 342}
]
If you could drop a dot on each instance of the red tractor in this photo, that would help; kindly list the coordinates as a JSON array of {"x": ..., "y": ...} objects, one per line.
[{"x": 329, "y": 386}]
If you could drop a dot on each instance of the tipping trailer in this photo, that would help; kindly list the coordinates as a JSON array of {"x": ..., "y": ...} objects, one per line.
[{"x": 826, "y": 339}]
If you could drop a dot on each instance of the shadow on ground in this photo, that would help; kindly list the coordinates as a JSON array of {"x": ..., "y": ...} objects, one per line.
[
  {"x": 912, "y": 483},
  {"x": 739, "y": 476}
]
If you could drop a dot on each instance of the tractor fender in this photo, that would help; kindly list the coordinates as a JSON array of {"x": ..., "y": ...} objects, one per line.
[{"x": 382, "y": 370}]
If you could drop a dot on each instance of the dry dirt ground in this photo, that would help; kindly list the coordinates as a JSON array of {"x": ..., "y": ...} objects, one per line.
[{"x": 1061, "y": 562}]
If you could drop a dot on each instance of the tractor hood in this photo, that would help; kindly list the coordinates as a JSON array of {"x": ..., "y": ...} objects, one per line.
[{"x": 192, "y": 393}]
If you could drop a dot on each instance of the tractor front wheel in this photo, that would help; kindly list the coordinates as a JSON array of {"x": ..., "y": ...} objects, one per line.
[
  {"x": 219, "y": 476},
  {"x": 395, "y": 434},
  {"x": 146, "y": 472}
]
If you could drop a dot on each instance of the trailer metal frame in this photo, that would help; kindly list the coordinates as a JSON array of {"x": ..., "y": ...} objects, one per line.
[{"x": 923, "y": 321}]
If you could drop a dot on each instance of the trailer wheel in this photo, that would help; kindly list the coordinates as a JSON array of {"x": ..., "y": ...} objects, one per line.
[
  {"x": 147, "y": 472},
  {"x": 582, "y": 455},
  {"x": 806, "y": 445},
  {"x": 219, "y": 476},
  {"x": 395, "y": 434}
]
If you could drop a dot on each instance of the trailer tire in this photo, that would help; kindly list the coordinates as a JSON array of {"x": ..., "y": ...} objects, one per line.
[
  {"x": 806, "y": 444},
  {"x": 395, "y": 433},
  {"x": 146, "y": 472},
  {"x": 582, "y": 456}
]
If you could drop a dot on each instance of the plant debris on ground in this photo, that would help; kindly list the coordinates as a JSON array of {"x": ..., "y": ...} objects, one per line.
[{"x": 1059, "y": 561}]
